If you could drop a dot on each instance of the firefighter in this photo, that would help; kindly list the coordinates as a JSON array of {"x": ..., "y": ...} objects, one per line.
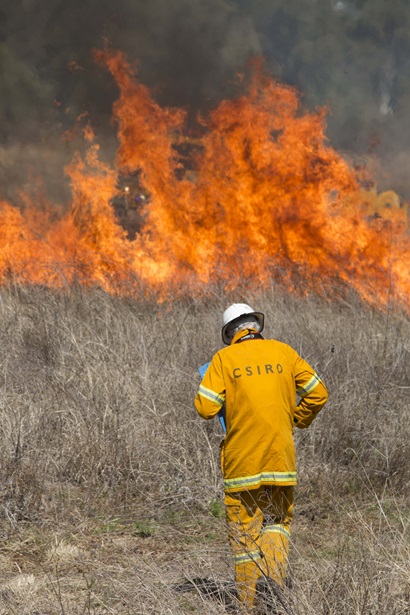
[{"x": 257, "y": 382}]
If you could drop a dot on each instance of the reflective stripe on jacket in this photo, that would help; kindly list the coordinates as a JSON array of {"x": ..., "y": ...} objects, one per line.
[{"x": 258, "y": 380}]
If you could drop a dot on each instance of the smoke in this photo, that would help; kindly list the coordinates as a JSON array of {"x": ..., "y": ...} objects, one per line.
[
  {"x": 351, "y": 56},
  {"x": 188, "y": 52}
]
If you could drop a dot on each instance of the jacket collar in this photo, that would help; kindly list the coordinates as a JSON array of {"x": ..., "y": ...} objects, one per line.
[{"x": 246, "y": 333}]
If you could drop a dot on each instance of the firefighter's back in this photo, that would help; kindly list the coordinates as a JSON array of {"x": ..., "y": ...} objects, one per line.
[{"x": 260, "y": 405}]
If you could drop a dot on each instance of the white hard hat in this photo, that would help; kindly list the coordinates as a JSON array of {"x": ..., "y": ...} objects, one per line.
[{"x": 236, "y": 311}]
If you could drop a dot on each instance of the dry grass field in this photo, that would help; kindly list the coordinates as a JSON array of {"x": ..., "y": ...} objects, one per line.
[{"x": 110, "y": 489}]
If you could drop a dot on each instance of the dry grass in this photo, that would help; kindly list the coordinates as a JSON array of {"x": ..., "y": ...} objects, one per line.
[{"x": 110, "y": 489}]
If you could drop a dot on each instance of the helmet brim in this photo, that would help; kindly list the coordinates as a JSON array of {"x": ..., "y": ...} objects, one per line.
[{"x": 256, "y": 315}]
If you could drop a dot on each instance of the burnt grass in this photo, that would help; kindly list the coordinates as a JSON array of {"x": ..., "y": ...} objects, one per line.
[{"x": 110, "y": 488}]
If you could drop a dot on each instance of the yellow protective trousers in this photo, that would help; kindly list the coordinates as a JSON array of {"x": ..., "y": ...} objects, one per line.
[{"x": 259, "y": 532}]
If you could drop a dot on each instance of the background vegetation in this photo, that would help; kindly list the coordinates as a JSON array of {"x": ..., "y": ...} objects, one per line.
[{"x": 111, "y": 494}]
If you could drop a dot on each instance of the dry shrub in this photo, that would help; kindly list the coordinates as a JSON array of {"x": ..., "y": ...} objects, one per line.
[{"x": 97, "y": 393}]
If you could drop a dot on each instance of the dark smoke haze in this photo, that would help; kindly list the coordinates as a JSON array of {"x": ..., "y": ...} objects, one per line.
[{"x": 351, "y": 55}]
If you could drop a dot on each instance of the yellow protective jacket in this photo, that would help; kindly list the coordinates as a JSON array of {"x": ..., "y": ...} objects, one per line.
[{"x": 258, "y": 381}]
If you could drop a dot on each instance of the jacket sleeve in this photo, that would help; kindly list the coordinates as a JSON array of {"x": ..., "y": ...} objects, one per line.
[
  {"x": 312, "y": 392},
  {"x": 211, "y": 393}
]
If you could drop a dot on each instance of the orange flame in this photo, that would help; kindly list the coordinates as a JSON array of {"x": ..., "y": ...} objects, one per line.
[{"x": 268, "y": 199}]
